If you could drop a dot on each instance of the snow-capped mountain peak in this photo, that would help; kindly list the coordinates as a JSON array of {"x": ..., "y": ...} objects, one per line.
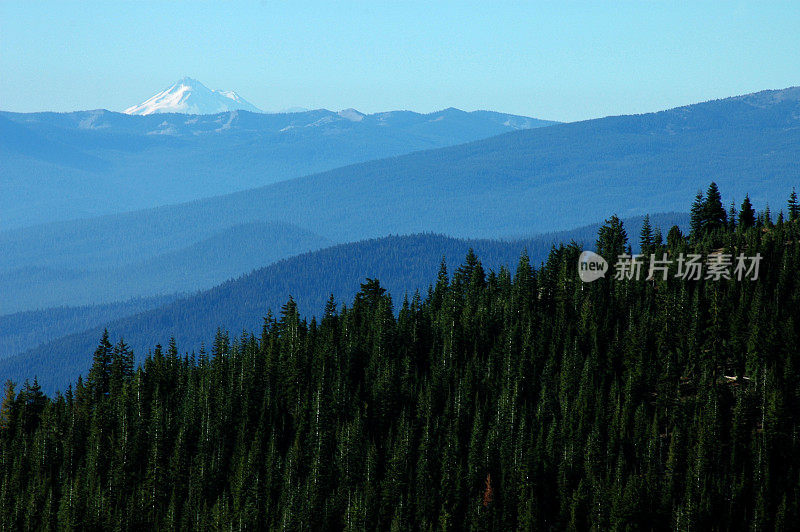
[{"x": 189, "y": 96}]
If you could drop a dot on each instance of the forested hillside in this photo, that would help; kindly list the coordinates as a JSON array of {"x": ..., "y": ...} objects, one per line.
[
  {"x": 495, "y": 401},
  {"x": 404, "y": 264}
]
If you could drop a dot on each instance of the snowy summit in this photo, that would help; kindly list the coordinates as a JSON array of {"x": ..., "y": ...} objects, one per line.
[{"x": 189, "y": 96}]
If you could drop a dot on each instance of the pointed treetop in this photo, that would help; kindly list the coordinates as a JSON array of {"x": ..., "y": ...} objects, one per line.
[
  {"x": 646, "y": 235},
  {"x": 794, "y": 206},
  {"x": 330, "y": 306},
  {"x": 612, "y": 239},
  {"x": 747, "y": 215}
]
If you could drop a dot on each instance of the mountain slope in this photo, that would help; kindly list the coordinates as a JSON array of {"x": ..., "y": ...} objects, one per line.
[
  {"x": 309, "y": 278},
  {"x": 140, "y": 273},
  {"x": 189, "y": 96},
  {"x": 59, "y": 166},
  {"x": 21, "y": 330},
  {"x": 520, "y": 183}
]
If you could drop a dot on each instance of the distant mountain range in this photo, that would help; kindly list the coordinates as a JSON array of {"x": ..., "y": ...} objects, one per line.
[
  {"x": 59, "y": 166},
  {"x": 403, "y": 264},
  {"x": 508, "y": 186},
  {"x": 189, "y": 96},
  {"x": 513, "y": 185}
]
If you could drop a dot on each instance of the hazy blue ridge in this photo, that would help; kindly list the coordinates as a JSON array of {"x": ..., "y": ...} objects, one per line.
[
  {"x": 21, "y": 330},
  {"x": 522, "y": 182},
  {"x": 403, "y": 264},
  {"x": 133, "y": 272},
  {"x": 121, "y": 163}
]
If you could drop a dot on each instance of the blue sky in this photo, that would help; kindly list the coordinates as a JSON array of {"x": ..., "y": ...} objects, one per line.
[{"x": 556, "y": 60}]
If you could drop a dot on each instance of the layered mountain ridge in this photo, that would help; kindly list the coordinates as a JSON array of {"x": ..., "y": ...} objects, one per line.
[
  {"x": 507, "y": 186},
  {"x": 121, "y": 162}
]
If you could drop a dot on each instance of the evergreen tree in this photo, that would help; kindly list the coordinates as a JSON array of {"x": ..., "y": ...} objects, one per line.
[
  {"x": 646, "y": 237},
  {"x": 7, "y": 406},
  {"x": 612, "y": 239},
  {"x": 100, "y": 372},
  {"x": 714, "y": 216},
  {"x": 747, "y": 215},
  {"x": 794, "y": 206},
  {"x": 766, "y": 217},
  {"x": 697, "y": 223},
  {"x": 675, "y": 237}
]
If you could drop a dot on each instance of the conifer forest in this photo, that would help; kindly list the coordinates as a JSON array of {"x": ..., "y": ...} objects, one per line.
[{"x": 516, "y": 399}]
